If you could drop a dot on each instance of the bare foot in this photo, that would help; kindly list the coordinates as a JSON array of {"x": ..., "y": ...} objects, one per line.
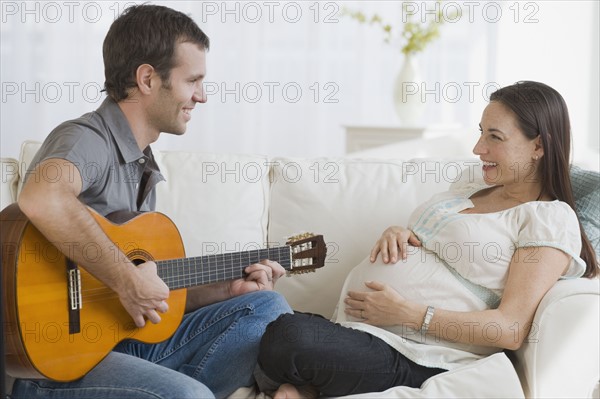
[{"x": 289, "y": 391}]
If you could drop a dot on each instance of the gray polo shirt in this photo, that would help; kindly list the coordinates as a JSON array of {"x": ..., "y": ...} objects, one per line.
[{"x": 116, "y": 175}]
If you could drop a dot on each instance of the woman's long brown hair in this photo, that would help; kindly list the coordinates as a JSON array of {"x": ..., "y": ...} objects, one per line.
[{"x": 542, "y": 111}]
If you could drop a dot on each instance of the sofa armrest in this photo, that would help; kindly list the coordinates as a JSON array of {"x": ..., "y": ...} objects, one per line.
[
  {"x": 10, "y": 180},
  {"x": 560, "y": 358}
]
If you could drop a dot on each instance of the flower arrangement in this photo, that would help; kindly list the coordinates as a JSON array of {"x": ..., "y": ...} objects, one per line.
[{"x": 415, "y": 35}]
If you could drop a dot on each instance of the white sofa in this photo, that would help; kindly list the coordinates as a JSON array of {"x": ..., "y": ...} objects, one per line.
[{"x": 227, "y": 203}]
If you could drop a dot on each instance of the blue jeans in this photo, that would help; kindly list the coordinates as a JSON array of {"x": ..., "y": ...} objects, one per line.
[
  {"x": 306, "y": 349},
  {"x": 212, "y": 353}
]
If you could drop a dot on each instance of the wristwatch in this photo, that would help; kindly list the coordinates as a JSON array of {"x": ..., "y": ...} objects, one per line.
[{"x": 427, "y": 319}]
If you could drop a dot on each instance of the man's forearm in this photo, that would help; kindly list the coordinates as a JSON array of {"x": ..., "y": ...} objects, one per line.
[
  {"x": 67, "y": 223},
  {"x": 203, "y": 295}
]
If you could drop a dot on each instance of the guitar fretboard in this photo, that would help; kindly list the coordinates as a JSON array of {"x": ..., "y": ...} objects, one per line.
[{"x": 189, "y": 272}]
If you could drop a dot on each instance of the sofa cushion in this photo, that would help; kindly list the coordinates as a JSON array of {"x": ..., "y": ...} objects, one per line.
[
  {"x": 350, "y": 202},
  {"x": 218, "y": 202},
  {"x": 490, "y": 377},
  {"x": 586, "y": 190}
]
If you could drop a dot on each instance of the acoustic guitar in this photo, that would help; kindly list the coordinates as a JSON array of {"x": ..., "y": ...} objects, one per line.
[{"x": 60, "y": 321}]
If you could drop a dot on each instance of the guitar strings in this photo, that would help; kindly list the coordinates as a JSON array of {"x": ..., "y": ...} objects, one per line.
[
  {"x": 213, "y": 268},
  {"x": 220, "y": 267}
]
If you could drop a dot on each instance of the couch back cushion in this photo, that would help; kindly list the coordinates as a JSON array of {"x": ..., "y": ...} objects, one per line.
[
  {"x": 219, "y": 202},
  {"x": 350, "y": 202},
  {"x": 28, "y": 150}
]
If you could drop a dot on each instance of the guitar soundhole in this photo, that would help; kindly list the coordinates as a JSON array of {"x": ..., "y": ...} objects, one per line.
[{"x": 139, "y": 256}]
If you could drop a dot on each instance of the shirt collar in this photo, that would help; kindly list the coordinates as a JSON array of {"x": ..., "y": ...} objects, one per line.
[{"x": 119, "y": 128}]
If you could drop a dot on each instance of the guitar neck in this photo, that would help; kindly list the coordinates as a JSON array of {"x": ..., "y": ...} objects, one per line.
[{"x": 190, "y": 272}]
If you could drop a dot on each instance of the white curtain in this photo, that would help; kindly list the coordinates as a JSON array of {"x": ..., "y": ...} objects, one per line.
[{"x": 284, "y": 77}]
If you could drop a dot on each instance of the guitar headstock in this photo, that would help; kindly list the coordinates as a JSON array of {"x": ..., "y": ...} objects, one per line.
[{"x": 308, "y": 253}]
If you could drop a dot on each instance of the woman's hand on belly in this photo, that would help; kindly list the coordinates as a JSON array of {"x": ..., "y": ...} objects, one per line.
[
  {"x": 393, "y": 243},
  {"x": 383, "y": 306}
]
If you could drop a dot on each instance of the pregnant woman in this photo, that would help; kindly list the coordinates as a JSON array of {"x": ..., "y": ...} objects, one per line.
[{"x": 462, "y": 281}]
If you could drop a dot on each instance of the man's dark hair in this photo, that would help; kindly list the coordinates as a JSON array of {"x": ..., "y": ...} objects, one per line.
[{"x": 145, "y": 34}]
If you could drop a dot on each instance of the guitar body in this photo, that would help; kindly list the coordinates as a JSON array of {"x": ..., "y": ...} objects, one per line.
[
  {"x": 39, "y": 343},
  {"x": 60, "y": 321}
]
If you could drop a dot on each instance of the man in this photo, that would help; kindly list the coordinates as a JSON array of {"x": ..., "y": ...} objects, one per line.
[{"x": 154, "y": 66}]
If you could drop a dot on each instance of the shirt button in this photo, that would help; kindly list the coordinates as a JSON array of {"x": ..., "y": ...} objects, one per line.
[{"x": 142, "y": 160}]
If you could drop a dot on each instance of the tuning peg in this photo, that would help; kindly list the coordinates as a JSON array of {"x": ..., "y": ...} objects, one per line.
[{"x": 300, "y": 236}]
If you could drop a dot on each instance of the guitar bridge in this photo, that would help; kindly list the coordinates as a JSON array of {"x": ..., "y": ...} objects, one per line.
[
  {"x": 74, "y": 296},
  {"x": 75, "y": 289}
]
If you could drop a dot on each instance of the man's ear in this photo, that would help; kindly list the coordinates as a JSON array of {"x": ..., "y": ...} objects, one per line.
[{"x": 143, "y": 76}]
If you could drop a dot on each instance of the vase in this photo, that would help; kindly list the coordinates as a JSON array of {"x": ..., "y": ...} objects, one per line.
[{"x": 408, "y": 87}]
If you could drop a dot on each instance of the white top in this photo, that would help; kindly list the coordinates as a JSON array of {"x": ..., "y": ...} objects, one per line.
[{"x": 462, "y": 266}]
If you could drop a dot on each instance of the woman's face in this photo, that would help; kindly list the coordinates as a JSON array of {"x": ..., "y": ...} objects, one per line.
[{"x": 508, "y": 155}]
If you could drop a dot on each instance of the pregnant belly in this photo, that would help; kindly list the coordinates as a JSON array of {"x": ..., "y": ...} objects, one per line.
[{"x": 421, "y": 278}]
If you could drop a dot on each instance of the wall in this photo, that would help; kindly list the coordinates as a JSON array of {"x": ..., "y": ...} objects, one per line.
[
  {"x": 556, "y": 42},
  {"x": 284, "y": 77}
]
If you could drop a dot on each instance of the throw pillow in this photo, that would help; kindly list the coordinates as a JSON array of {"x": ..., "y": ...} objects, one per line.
[{"x": 586, "y": 190}]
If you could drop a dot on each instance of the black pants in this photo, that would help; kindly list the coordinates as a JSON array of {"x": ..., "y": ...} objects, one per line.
[{"x": 306, "y": 349}]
